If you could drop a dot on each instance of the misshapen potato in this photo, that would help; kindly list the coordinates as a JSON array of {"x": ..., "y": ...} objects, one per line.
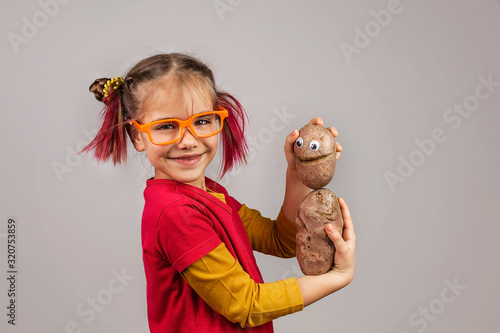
[
  {"x": 315, "y": 250},
  {"x": 315, "y": 156}
]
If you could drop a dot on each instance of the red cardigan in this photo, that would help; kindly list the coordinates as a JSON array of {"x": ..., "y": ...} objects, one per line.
[{"x": 180, "y": 224}]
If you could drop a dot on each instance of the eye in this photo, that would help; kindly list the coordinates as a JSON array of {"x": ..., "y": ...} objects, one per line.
[
  {"x": 299, "y": 142},
  {"x": 201, "y": 122},
  {"x": 314, "y": 145},
  {"x": 165, "y": 126}
]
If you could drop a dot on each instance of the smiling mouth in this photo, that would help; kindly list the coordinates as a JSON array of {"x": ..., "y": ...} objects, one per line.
[
  {"x": 187, "y": 159},
  {"x": 315, "y": 159}
]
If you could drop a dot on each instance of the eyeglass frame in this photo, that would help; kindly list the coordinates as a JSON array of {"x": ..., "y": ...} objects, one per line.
[{"x": 146, "y": 128}]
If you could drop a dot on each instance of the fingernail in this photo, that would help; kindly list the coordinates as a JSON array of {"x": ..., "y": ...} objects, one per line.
[{"x": 329, "y": 227}]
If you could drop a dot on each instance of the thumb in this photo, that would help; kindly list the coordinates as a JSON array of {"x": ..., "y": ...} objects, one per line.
[
  {"x": 289, "y": 142},
  {"x": 334, "y": 235}
]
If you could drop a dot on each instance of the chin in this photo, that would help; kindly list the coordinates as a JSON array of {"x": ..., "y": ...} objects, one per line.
[{"x": 182, "y": 177}]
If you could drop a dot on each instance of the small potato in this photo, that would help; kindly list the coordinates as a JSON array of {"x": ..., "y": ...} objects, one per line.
[
  {"x": 315, "y": 156},
  {"x": 315, "y": 250}
]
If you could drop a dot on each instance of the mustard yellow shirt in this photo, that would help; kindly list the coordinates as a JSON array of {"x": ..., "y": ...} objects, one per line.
[{"x": 220, "y": 280}]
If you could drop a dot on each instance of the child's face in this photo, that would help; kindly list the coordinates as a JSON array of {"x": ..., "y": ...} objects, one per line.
[{"x": 186, "y": 159}]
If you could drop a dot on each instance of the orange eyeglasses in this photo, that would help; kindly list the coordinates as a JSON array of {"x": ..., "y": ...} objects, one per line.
[{"x": 167, "y": 131}]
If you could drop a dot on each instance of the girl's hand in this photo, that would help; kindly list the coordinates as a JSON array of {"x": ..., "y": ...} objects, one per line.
[
  {"x": 344, "y": 260},
  {"x": 315, "y": 287},
  {"x": 292, "y": 137}
]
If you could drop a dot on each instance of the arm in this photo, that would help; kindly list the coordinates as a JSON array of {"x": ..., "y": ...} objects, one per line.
[
  {"x": 273, "y": 237},
  {"x": 222, "y": 283},
  {"x": 295, "y": 191}
]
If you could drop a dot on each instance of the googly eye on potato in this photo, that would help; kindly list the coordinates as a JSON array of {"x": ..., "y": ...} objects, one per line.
[
  {"x": 299, "y": 142},
  {"x": 314, "y": 145}
]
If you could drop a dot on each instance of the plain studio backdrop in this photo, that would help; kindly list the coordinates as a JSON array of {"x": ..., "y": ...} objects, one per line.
[{"x": 412, "y": 86}]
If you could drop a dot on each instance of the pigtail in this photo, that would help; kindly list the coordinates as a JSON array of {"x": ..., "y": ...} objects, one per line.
[
  {"x": 234, "y": 144},
  {"x": 111, "y": 139}
]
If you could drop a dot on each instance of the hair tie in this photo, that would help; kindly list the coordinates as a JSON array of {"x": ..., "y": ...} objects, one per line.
[{"x": 113, "y": 83}]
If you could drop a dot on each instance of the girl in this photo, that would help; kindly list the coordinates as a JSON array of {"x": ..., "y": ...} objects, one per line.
[{"x": 197, "y": 240}]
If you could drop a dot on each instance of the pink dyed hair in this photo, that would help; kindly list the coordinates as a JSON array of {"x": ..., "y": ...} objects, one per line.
[
  {"x": 234, "y": 144},
  {"x": 126, "y": 102},
  {"x": 111, "y": 139}
]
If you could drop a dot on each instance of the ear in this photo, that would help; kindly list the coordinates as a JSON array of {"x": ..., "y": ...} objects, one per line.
[{"x": 136, "y": 138}]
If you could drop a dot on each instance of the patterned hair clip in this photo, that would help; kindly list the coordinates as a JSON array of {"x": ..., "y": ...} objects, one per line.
[{"x": 113, "y": 83}]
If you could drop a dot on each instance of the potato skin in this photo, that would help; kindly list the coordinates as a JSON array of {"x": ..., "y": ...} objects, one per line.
[
  {"x": 315, "y": 250},
  {"x": 315, "y": 168}
]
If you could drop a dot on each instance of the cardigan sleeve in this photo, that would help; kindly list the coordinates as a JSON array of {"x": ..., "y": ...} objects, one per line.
[
  {"x": 274, "y": 237},
  {"x": 222, "y": 283}
]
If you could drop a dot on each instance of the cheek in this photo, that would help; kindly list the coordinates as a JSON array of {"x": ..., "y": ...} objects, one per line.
[
  {"x": 155, "y": 151},
  {"x": 213, "y": 142}
]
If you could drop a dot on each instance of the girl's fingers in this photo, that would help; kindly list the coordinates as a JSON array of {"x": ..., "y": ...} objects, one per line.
[
  {"x": 292, "y": 136},
  {"x": 335, "y": 236},
  {"x": 348, "y": 232},
  {"x": 290, "y": 140},
  {"x": 338, "y": 149},
  {"x": 316, "y": 121},
  {"x": 334, "y": 131},
  {"x": 319, "y": 121}
]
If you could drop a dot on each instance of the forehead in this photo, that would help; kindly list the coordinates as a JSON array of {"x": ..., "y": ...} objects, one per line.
[{"x": 171, "y": 98}]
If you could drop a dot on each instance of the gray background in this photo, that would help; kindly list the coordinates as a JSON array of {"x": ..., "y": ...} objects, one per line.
[{"x": 427, "y": 250}]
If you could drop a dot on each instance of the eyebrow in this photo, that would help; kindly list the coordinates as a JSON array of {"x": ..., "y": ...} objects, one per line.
[
  {"x": 171, "y": 118},
  {"x": 158, "y": 119}
]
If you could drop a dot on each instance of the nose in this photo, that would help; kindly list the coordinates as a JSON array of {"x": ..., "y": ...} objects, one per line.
[{"x": 187, "y": 140}]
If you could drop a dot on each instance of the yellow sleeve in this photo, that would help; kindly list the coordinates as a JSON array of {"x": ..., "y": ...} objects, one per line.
[
  {"x": 274, "y": 237},
  {"x": 222, "y": 283}
]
